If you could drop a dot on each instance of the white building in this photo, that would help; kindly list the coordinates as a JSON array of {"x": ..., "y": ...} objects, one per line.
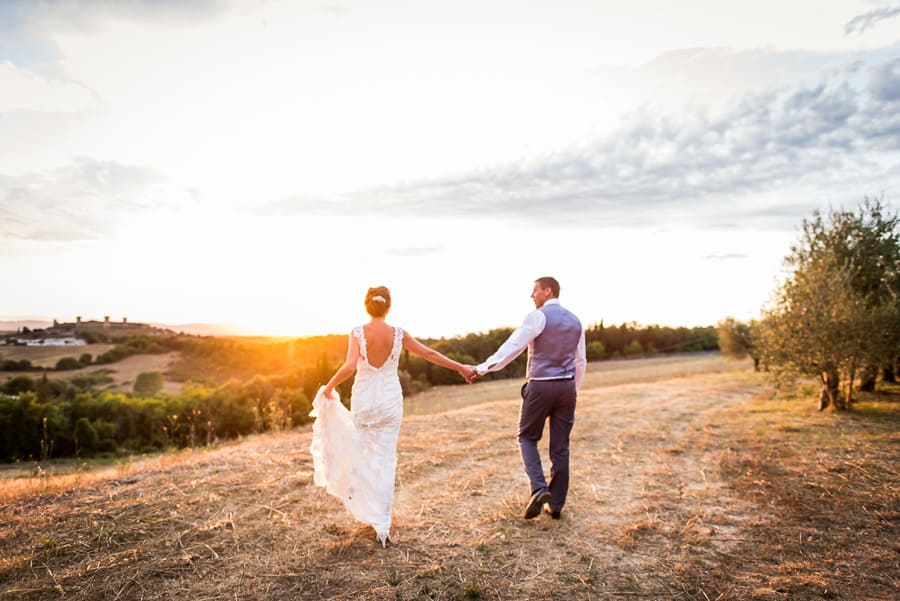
[{"x": 67, "y": 341}]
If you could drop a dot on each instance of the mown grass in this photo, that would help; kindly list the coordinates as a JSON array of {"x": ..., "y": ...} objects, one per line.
[
  {"x": 832, "y": 481},
  {"x": 690, "y": 487}
]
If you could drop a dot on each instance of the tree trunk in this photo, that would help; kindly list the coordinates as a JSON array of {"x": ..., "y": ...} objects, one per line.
[
  {"x": 823, "y": 399},
  {"x": 867, "y": 378},
  {"x": 888, "y": 374},
  {"x": 848, "y": 398},
  {"x": 831, "y": 391}
]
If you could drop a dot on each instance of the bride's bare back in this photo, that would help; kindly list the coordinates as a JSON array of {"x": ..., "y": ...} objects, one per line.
[{"x": 379, "y": 342}]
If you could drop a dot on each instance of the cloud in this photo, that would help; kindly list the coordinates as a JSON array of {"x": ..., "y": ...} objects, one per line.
[
  {"x": 860, "y": 23},
  {"x": 694, "y": 169},
  {"x": 88, "y": 15},
  {"x": 885, "y": 82},
  {"x": 27, "y": 27},
  {"x": 726, "y": 257},
  {"x": 336, "y": 10},
  {"x": 414, "y": 251},
  {"x": 24, "y": 90},
  {"x": 83, "y": 200}
]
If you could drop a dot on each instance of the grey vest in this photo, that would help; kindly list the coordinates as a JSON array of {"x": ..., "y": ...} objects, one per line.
[{"x": 552, "y": 353}]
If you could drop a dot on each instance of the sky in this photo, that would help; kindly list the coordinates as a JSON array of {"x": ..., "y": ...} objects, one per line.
[{"x": 262, "y": 163}]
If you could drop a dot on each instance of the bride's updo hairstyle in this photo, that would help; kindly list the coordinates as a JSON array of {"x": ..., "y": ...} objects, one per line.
[{"x": 378, "y": 301}]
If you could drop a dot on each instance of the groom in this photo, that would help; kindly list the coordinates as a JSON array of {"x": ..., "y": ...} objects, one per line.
[{"x": 556, "y": 363}]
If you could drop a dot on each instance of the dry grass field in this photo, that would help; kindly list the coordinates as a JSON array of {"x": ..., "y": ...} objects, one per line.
[
  {"x": 691, "y": 481},
  {"x": 123, "y": 372},
  {"x": 47, "y": 356}
]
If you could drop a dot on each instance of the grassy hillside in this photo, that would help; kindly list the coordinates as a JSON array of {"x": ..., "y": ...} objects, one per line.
[
  {"x": 122, "y": 373},
  {"x": 689, "y": 482},
  {"x": 47, "y": 356}
]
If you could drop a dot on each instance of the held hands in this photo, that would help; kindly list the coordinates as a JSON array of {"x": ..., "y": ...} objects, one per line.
[{"x": 468, "y": 372}]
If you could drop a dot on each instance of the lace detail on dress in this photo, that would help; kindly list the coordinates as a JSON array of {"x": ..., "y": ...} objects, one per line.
[
  {"x": 355, "y": 452},
  {"x": 360, "y": 334},
  {"x": 394, "y": 357}
]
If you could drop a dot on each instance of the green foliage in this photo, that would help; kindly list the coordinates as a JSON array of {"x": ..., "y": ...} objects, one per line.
[
  {"x": 234, "y": 387},
  {"x": 67, "y": 363},
  {"x": 633, "y": 348},
  {"x": 595, "y": 350},
  {"x": 85, "y": 359},
  {"x": 13, "y": 365},
  {"x": 412, "y": 386},
  {"x": 214, "y": 361},
  {"x": 198, "y": 415},
  {"x": 148, "y": 383},
  {"x": 735, "y": 338},
  {"x": 18, "y": 385},
  {"x": 618, "y": 340},
  {"x": 31, "y": 429},
  {"x": 137, "y": 345},
  {"x": 838, "y": 312},
  {"x": 93, "y": 379},
  {"x": 92, "y": 336},
  {"x": 85, "y": 435}
]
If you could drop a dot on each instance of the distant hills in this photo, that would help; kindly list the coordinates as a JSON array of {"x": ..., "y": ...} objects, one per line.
[
  {"x": 14, "y": 326},
  {"x": 205, "y": 329},
  {"x": 197, "y": 329}
]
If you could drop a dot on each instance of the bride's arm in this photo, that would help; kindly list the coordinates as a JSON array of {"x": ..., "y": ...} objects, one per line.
[
  {"x": 347, "y": 369},
  {"x": 433, "y": 356}
]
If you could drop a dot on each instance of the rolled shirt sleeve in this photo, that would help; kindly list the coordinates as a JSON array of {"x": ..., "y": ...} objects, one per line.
[{"x": 518, "y": 341}]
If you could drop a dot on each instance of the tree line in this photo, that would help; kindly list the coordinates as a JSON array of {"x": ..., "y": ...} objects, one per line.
[
  {"x": 235, "y": 387},
  {"x": 52, "y": 418},
  {"x": 835, "y": 317}
]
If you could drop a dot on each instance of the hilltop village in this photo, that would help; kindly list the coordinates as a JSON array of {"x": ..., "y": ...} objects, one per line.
[{"x": 80, "y": 332}]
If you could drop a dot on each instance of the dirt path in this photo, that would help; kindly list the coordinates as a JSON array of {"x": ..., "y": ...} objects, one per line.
[
  {"x": 648, "y": 515},
  {"x": 644, "y": 497}
]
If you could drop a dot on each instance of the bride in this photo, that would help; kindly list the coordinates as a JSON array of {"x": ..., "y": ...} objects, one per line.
[{"x": 355, "y": 452}]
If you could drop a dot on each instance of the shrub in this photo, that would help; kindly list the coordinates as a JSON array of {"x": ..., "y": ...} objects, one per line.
[
  {"x": 595, "y": 350},
  {"x": 148, "y": 383},
  {"x": 67, "y": 363},
  {"x": 85, "y": 435}
]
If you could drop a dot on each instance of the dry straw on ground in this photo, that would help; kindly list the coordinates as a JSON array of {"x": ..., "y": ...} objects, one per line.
[{"x": 689, "y": 482}]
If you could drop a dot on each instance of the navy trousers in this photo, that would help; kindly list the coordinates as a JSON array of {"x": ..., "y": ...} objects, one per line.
[{"x": 542, "y": 400}]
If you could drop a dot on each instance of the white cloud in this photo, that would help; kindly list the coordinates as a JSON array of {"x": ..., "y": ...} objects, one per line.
[
  {"x": 91, "y": 15},
  {"x": 861, "y": 23},
  {"x": 27, "y": 91},
  {"x": 690, "y": 169},
  {"x": 451, "y": 130},
  {"x": 84, "y": 200}
]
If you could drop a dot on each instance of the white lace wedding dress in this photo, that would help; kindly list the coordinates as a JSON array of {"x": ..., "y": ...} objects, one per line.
[{"x": 355, "y": 452}]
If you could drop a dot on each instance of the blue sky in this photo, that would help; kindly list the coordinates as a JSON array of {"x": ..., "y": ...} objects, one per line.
[{"x": 261, "y": 163}]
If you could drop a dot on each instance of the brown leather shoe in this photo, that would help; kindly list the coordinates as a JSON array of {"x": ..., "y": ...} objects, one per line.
[{"x": 536, "y": 503}]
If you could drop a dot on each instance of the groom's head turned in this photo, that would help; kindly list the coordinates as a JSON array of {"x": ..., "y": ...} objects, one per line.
[
  {"x": 378, "y": 301},
  {"x": 545, "y": 288}
]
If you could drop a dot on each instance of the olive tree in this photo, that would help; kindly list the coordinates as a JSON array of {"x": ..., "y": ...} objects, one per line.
[
  {"x": 837, "y": 313},
  {"x": 148, "y": 384}
]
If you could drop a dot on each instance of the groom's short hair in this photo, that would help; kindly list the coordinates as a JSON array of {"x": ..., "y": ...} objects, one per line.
[{"x": 551, "y": 283}]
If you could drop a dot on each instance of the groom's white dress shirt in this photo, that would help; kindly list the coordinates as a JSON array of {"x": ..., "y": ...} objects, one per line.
[{"x": 522, "y": 337}]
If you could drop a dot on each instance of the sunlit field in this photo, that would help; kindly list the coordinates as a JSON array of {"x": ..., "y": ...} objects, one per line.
[
  {"x": 599, "y": 373},
  {"x": 692, "y": 480},
  {"x": 47, "y": 356}
]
